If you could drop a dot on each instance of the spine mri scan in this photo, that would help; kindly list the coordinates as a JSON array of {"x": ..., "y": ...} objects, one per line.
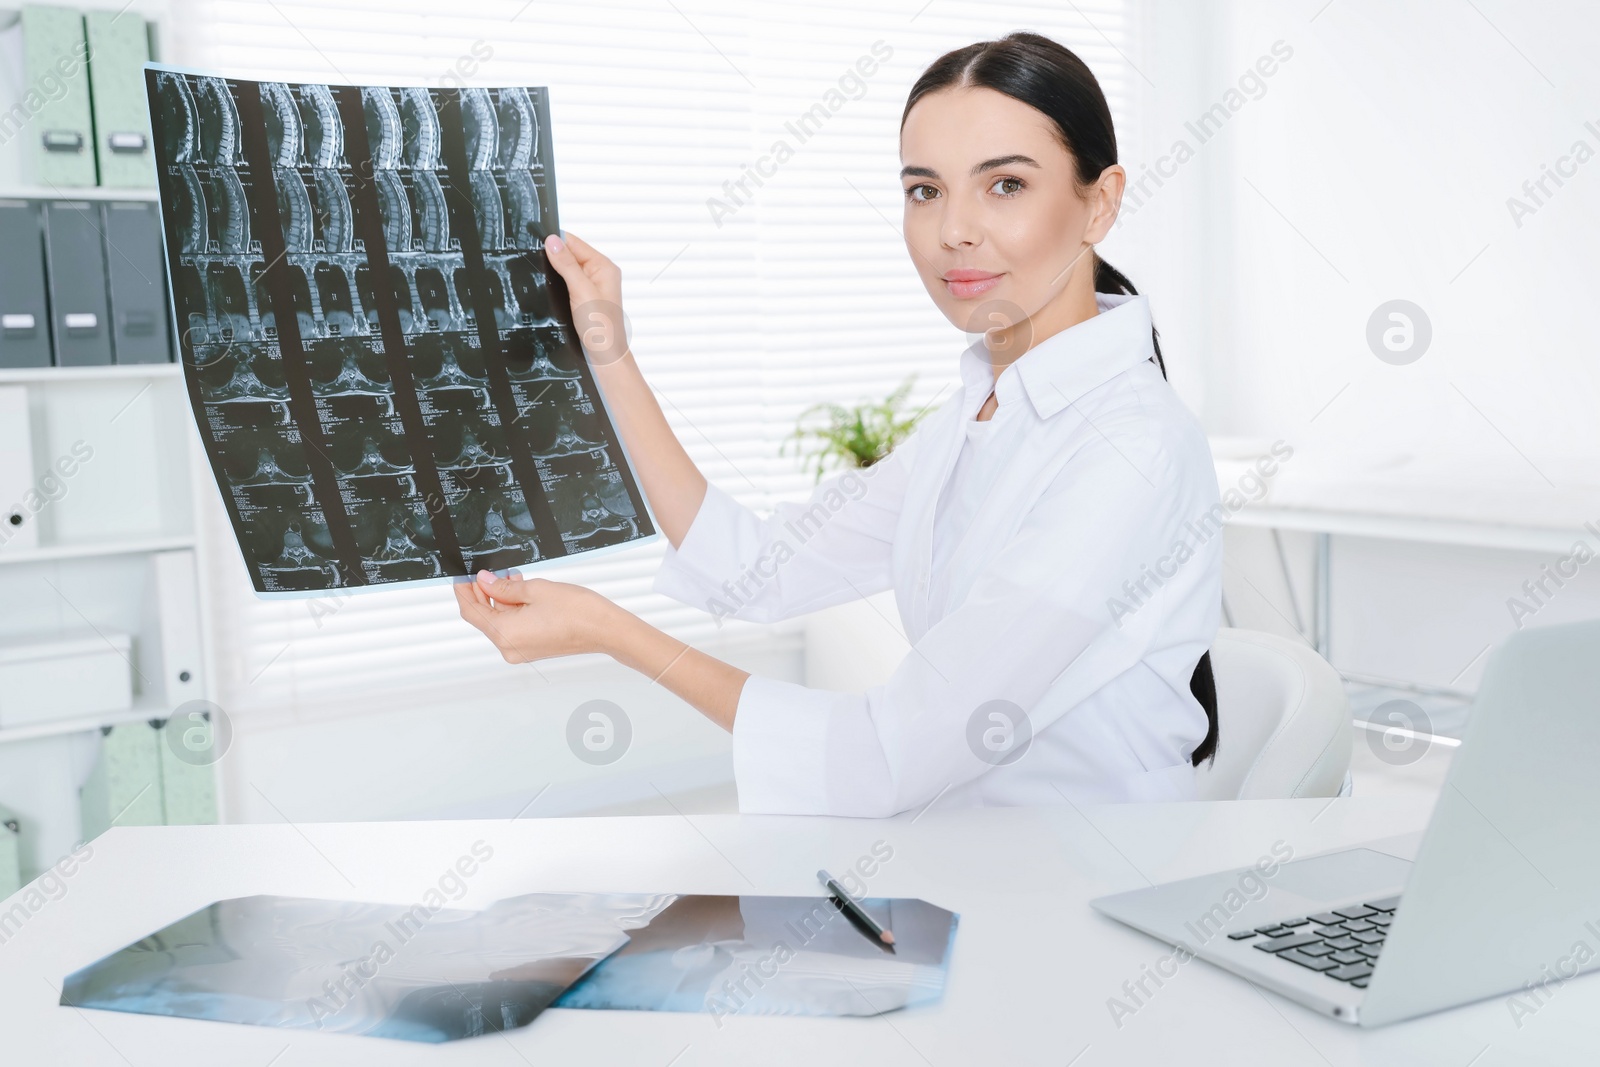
[{"x": 388, "y": 385}]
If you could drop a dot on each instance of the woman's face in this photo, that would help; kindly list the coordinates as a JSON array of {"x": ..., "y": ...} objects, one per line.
[{"x": 994, "y": 219}]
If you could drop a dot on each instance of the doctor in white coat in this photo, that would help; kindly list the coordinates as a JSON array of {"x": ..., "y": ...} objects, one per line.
[{"x": 1051, "y": 532}]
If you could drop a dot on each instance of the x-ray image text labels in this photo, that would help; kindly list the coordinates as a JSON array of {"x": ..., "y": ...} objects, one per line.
[{"x": 387, "y": 382}]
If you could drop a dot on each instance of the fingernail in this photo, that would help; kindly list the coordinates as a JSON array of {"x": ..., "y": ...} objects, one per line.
[
  {"x": 554, "y": 243},
  {"x": 486, "y": 577}
]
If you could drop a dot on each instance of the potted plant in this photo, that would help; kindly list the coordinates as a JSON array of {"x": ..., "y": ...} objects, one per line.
[{"x": 857, "y": 436}]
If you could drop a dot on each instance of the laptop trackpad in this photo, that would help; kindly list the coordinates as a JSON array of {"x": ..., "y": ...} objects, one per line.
[{"x": 1337, "y": 875}]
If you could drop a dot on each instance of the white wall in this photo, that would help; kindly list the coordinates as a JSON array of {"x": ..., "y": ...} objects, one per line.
[
  {"x": 481, "y": 751},
  {"x": 1377, "y": 164}
]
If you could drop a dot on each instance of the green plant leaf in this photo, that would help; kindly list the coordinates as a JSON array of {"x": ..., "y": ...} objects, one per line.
[{"x": 858, "y": 436}]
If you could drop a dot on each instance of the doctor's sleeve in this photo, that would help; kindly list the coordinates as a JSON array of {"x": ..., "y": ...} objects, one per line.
[
  {"x": 1038, "y": 613},
  {"x": 834, "y": 547}
]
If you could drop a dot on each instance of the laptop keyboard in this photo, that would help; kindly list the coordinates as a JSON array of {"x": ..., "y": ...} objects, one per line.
[{"x": 1343, "y": 943}]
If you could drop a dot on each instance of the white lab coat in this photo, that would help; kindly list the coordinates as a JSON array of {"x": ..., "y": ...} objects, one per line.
[{"x": 1083, "y": 592}]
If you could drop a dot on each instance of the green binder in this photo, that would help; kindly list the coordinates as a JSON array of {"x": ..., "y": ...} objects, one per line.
[
  {"x": 119, "y": 46},
  {"x": 59, "y": 133},
  {"x": 188, "y": 785},
  {"x": 10, "y": 855},
  {"x": 125, "y": 787}
]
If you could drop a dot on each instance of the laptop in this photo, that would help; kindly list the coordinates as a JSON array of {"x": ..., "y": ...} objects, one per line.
[{"x": 1502, "y": 897}]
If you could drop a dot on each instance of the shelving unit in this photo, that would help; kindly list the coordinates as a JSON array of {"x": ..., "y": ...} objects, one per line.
[
  {"x": 106, "y": 536},
  {"x": 52, "y": 375},
  {"x": 143, "y": 710},
  {"x": 79, "y": 192},
  {"x": 89, "y": 551},
  {"x": 95, "y": 568}
]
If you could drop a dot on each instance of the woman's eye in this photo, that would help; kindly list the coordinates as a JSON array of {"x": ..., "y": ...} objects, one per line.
[
  {"x": 921, "y": 193},
  {"x": 1007, "y": 186}
]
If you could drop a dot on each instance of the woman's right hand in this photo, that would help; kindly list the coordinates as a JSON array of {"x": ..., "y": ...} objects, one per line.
[
  {"x": 595, "y": 286},
  {"x": 669, "y": 477}
]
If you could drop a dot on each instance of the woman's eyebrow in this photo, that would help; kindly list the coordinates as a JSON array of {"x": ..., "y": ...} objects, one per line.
[
  {"x": 1004, "y": 161},
  {"x": 978, "y": 168}
]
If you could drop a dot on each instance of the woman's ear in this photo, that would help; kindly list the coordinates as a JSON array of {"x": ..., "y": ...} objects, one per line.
[{"x": 1105, "y": 200}]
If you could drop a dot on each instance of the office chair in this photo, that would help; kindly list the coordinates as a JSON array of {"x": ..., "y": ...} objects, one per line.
[{"x": 1283, "y": 721}]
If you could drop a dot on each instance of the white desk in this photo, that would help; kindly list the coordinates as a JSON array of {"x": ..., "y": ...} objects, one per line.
[
  {"x": 1032, "y": 970},
  {"x": 1406, "y": 498},
  {"x": 1325, "y": 522}
]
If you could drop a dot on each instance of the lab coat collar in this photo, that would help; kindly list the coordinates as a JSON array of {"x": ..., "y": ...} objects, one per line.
[{"x": 1059, "y": 370}]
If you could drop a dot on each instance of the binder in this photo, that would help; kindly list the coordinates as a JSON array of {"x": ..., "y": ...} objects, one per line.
[
  {"x": 119, "y": 46},
  {"x": 10, "y": 854},
  {"x": 136, "y": 279},
  {"x": 124, "y": 789},
  {"x": 24, "y": 316},
  {"x": 169, "y": 638},
  {"x": 76, "y": 265},
  {"x": 19, "y": 522},
  {"x": 171, "y": 658},
  {"x": 188, "y": 789},
  {"x": 59, "y": 134}
]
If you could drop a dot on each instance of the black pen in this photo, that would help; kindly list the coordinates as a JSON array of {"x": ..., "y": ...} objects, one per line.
[{"x": 855, "y": 911}]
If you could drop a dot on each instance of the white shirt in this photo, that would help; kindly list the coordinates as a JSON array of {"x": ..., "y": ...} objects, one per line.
[
  {"x": 984, "y": 454},
  {"x": 1078, "y": 580}
]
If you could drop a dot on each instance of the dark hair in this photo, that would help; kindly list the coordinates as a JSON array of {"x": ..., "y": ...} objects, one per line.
[{"x": 1051, "y": 79}]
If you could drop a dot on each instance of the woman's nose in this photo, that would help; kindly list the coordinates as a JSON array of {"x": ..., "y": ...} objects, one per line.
[{"x": 957, "y": 228}]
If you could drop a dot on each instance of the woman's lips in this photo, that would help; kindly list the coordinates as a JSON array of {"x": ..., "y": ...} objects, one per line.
[{"x": 968, "y": 283}]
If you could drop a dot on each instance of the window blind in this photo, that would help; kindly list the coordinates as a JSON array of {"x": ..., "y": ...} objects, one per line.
[{"x": 746, "y": 306}]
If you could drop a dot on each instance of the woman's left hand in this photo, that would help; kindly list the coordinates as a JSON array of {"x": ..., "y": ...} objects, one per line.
[{"x": 531, "y": 619}]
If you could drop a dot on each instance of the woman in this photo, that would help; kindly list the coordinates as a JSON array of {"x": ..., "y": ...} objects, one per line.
[{"x": 1038, "y": 528}]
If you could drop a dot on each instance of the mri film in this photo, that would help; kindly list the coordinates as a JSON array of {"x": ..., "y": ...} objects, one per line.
[{"x": 382, "y": 364}]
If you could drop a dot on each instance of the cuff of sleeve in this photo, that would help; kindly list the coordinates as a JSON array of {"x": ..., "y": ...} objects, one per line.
[
  {"x": 780, "y": 736},
  {"x": 693, "y": 572}
]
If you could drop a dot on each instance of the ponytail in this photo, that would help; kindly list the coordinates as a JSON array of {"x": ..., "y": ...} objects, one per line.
[{"x": 1108, "y": 279}]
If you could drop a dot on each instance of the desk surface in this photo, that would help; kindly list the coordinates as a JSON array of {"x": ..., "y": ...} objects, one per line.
[
  {"x": 1031, "y": 977},
  {"x": 1435, "y": 499},
  {"x": 1429, "y": 530}
]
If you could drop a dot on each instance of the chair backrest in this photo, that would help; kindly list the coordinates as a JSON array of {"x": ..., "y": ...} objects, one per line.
[{"x": 1283, "y": 721}]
